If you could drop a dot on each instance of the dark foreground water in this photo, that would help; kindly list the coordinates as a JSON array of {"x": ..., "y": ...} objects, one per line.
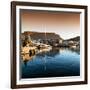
[{"x": 58, "y": 62}]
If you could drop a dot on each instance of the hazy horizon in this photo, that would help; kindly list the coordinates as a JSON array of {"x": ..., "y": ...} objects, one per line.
[{"x": 67, "y": 25}]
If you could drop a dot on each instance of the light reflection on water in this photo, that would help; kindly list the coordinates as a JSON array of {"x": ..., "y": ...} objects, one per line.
[{"x": 54, "y": 63}]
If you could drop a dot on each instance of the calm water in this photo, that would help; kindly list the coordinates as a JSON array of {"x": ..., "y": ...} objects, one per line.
[{"x": 55, "y": 63}]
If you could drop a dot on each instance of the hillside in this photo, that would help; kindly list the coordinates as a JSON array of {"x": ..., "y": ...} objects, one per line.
[
  {"x": 41, "y": 35},
  {"x": 74, "y": 39}
]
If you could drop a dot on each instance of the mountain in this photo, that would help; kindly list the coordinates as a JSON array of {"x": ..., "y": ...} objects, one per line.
[
  {"x": 41, "y": 35},
  {"x": 74, "y": 39}
]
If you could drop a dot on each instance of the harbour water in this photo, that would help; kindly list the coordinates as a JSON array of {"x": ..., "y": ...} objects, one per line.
[{"x": 58, "y": 62}]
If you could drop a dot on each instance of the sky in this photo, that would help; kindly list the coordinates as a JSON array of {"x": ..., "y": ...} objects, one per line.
[{"x": 66, "y": 24}]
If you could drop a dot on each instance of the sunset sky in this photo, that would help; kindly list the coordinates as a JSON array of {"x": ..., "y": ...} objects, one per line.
[{"x": 67, "y": 25}]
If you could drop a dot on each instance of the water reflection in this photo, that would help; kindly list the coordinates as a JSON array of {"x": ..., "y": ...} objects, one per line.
[
  {"x": 25, "y": 62},
  {"x": 53, "y": 63},
  {"x": 52, "y": 53}
]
